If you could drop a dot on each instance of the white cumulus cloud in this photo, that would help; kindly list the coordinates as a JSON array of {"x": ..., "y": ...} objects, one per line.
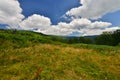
[
  {"x": 10, "y": 13},
  {"x": 36, "y": 22},
  {"x": 83, "y": 26},
  {"x": 94, "y": 9},
  {"x": 88, "y": 32}
]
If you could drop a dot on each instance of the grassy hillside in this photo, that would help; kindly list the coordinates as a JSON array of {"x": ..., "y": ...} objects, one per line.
[
  {"x": 18, "y": 39},
  {"x": 53, "y": 60}
]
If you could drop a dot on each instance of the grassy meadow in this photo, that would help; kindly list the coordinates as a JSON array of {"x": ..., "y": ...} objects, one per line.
[{"x": 27, "y": 55}]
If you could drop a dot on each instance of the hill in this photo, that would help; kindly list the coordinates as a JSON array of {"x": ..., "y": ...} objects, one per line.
[
  {"x": 43, "y": 57},
  {"x": 20, "y": 38}
]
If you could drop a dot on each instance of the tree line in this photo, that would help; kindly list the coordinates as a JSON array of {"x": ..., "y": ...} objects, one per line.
[{"x": 106, "y": 38}]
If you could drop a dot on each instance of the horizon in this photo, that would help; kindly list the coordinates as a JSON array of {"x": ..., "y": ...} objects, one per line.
[{"x": 64, "y": 17}]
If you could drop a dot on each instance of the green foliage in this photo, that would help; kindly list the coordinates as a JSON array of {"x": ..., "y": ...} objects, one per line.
[
  {"x": 85, "y": 40},
  {"x": 109, "y": 38},
  {"x": 18, "y": 39},
  {"x": 116, "y": 36},
  {"x": 73, "y": 40},
  {"x": 80, "y": 40}
]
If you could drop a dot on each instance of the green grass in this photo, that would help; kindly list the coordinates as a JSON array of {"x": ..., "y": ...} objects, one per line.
[
  {"x": 18, "y": 39},
  {"x": 47, "y": 59}
]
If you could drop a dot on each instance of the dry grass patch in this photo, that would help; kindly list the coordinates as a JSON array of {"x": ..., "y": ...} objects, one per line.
[{"x": 55, "y": 62}]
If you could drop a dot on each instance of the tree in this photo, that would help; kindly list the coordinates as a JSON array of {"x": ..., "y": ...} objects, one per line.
[
  {"x": 108, "y": 38},
  {"x": 116, "y": 36},
  {"x": 105, "y": 38},
  {"x": 85, "y": 40}
]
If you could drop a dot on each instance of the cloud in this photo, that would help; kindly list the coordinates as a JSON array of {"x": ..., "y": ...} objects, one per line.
[
  {"x": 35, "y": 22},
  {"x": 10, "y": 13},
  {"x": 112, "y": 28},
  {"x": 82, "y": 26},
  {"x": 61, "y": 29},
  {"x": 99, "y": 25},
  {"x": 88, "y": 32},
  {"x": 94, "y": 9}
]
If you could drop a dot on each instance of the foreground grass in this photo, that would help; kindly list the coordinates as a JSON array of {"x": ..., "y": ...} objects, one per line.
[{"x": 60, "y": 62}]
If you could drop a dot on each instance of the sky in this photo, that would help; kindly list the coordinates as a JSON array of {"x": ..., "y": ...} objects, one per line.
[{"x": 61, "y": 17}]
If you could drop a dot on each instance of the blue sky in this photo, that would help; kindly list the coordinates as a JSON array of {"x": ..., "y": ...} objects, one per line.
[
  {"x": 61, "y": 17},
  {"x": 114, "y": 18},
  {"x": 53, "y": 9}
]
